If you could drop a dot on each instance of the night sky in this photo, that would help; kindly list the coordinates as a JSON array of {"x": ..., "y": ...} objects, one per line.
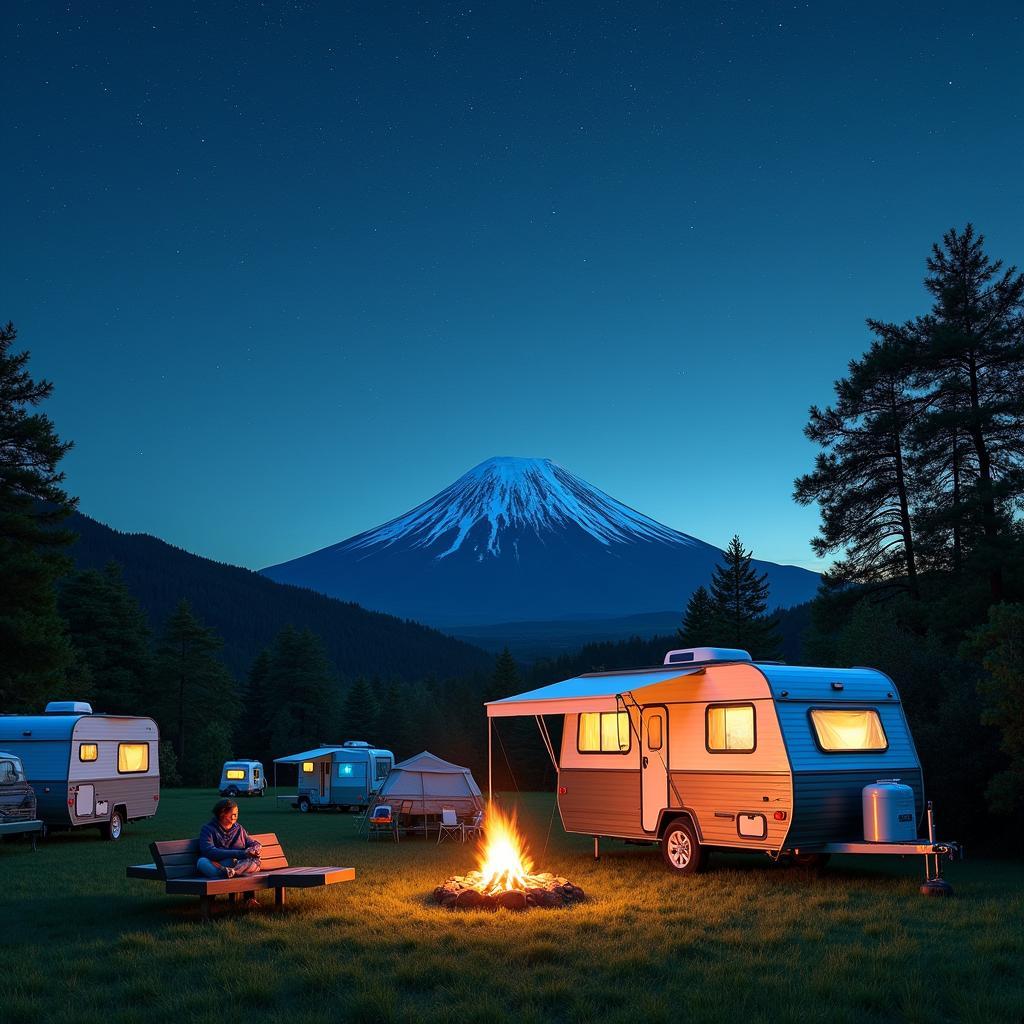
[{"x": 293, "y": 268}]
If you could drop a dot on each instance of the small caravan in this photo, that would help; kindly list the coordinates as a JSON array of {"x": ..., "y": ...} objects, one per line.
[
  {"x": 713, "y": 750},
  {"x": 342, "y": 776},
  {"x": 87, "y": 769},
  {"x": 242, "y": 778}
]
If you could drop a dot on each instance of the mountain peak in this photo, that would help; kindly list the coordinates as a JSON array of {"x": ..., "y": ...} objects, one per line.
[{"x": 511, "y": 496}]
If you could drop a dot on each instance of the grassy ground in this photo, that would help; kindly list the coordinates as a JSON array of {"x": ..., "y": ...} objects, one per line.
[{"x": 745, "y": 942}]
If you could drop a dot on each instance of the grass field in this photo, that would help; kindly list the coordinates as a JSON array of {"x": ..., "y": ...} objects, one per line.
[{"x": 745, "y": 942}]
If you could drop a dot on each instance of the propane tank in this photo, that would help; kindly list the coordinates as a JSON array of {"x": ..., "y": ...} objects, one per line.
[{"x": 889, "y": 814}]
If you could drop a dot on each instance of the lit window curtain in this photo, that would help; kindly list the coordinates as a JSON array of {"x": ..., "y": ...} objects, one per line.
[
  {"x": 849, "y": 730},
  {"x": 614, "y": 732},
  {"x": 716, "y": 728},
  {"x": 590, "y": 731},
  {"x": 133, "y": 757},
  {"x": 739, "y": 728}
]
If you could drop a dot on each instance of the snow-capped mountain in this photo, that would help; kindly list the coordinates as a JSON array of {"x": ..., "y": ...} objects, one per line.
[{"x": 517, "y": 539}]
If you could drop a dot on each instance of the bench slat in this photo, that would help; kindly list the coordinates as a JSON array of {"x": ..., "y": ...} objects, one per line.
[
  {"x": 215, "y": 886},
  {"x": 192, "y": 856},
  {"x": 144, "y": 871},
  {"x": 189, "y": 869},
  {"x": 307, "y": 878}
]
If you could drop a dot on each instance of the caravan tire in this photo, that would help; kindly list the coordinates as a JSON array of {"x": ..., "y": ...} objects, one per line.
[
  {"x": 231, "y": 791},
  {"x": 304, "y": 805},
  {"x": 680, "y": 849},
  {"x": 112, "y": 829}
]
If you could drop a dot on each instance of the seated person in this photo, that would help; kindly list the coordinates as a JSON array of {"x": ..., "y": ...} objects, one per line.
[{"x": 225, "y": 848}]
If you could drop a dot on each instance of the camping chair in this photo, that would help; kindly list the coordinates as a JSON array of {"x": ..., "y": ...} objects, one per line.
[
  {"x": 449, "y": 824},
  {"x": 474, "y": 827},
  {"x": 381, "y": 822}
]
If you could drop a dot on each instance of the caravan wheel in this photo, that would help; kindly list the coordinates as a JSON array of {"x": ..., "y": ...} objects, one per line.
[
  {"x": 680, "y": 849},
  {"x": 112, "y": 829},
  {"x": 304, "y": 805}
]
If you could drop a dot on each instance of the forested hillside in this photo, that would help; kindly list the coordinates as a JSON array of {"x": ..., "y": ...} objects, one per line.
[{"x": 248, "y": 611}]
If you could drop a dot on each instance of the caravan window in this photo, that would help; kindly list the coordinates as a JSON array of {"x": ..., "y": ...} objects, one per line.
[
  {"x": 10, "y": 772},
  {"x": 307, "y": 767},
  {"x": 730, "y": 729},
  {"x": 848, "y": 731},
  {"x": 603, "y": 732},
  {"x": 88, "y": 751},
  {"x": 132, "y": 758},
  {"x": 235, "y": 773},
  {"x": 383, "y": 768}
]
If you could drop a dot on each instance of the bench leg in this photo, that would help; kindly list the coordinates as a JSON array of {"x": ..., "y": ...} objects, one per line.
[
  {"x": 279, "y": 897},
  {"x": 232, "y": 896},
  {"x": 204, "y": 907}
]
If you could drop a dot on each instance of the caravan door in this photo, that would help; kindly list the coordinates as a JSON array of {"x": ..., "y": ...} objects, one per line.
[
  {"x": 84, "y": 799},
  {"x": 653, "y": 765},
  {"x": 325, "y": 781}
]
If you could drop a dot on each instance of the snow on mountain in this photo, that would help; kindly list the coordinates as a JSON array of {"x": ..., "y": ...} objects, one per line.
[
  {"x": 521, "y": 539},
  {"x": 516, "y": 494}
]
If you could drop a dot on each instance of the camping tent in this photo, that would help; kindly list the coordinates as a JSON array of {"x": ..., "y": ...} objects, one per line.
[{"x": 431, "y": 784}]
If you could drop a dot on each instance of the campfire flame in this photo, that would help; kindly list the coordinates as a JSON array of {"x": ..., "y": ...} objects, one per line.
[{"x": 504, "y": 864}]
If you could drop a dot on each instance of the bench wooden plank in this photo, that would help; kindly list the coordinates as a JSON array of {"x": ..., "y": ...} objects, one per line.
[
  {"x": 198, "y": 886},
  {"x": 268, "y": 853},
  {"x": 145, "y": 871},
  {"x": 308, "y": 878}
]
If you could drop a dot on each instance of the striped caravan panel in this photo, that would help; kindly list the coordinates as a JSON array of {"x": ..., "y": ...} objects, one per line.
[
  {"x": 717, "y": 798},
  {"x": 827, "y": 805},
  {"x": 601, "y": 802}
]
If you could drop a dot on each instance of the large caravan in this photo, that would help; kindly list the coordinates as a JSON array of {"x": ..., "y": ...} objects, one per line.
[
  {"x": 344, "y": 776},
  {"x": 714, "y": 750},
  {"x": 87, "y": 769}
]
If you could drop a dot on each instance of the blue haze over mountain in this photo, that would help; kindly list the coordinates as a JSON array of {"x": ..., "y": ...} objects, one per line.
[{"x": 517, "y": 539}]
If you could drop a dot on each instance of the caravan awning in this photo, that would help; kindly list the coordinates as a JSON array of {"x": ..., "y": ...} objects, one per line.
[
  {"x": 596, "y": 691},
  {"x": 309, "y": 755}
]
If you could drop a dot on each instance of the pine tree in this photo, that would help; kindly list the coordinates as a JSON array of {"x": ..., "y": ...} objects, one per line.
[
  {"x": 192, "y": 686},
  {"x": 110, "y": 638},
  {"x": 971, "y": 348},
  {"x": 740, "y": 598},
  {"x": 301, "y": 692},
  {"x": 700, "y": 626},
  {"x": 394, "y": 729},
  {"x": 35, "y": 651},
  {"x": 861, "y": 479},
  {"x": 999, "y": 646},
  {"x": 359, "y": 712},
  {"x": 252, "y": 738}
]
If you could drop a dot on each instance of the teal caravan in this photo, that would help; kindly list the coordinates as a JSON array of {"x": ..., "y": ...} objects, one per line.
[
  {"x": 712, "y": 750},
  {"x": 242, "y": 777},
  {"x": 87, "y": 769},
  {"x": 345, "y": 776}
]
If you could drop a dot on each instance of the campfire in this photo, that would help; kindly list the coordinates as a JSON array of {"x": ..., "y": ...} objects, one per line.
[{"x": 506, "y": 877}]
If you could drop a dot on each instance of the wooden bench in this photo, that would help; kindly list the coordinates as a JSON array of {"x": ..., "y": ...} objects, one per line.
[{"x": 174, "y": 863}]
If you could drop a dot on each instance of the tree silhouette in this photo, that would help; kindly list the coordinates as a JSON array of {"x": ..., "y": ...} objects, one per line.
[
  {"x": 740, "y": 598},
  {"x": 35, "y": 651}
]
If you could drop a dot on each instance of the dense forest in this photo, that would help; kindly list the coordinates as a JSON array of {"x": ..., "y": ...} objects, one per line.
[{"x": 919, "y": 481}]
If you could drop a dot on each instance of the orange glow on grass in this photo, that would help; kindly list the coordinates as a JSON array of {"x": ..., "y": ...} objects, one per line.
[{"x": 504, "y": 864}]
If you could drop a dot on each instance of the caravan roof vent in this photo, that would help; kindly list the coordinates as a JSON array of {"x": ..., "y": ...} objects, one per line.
[
  {"x": 701, "y": 655},
  {"x": 69, "y": 707},
  {"x": 355, "y": 743}
]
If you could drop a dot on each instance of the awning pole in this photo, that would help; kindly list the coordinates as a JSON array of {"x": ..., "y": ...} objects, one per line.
[{"x": 490, "y": 787}]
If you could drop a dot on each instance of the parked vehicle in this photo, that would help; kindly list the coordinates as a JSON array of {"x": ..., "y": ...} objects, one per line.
[
  {"x": 714, "y": 750},
  {"x": 17, "y": 798},
  {"x": 87, "y": 769},
  {"x": 242, "y": 778},
  {"x": 344, "y": 776}
]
